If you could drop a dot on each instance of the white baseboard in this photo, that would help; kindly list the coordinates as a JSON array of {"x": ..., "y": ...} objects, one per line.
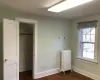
[
  {"x": 86, "y": 73},
  {"x": 46, "y": 73},
  {"x": 54, "y": 71}
]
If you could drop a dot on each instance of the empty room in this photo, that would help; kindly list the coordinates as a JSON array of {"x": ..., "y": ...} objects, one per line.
[{"x": 49, "y": 40}]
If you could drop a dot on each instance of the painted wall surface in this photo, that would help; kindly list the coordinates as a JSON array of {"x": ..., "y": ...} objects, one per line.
[
  {"x": 1, "y": 51},
  {"x": 51, "y": 42},
  {"x": 25, "y": 47},
  {"x": 50, "y": 35},
  {"x": 85, "y": 65}
]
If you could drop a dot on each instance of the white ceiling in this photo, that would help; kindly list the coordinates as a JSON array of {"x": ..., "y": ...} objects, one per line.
[{"x": 40, "y": 7}]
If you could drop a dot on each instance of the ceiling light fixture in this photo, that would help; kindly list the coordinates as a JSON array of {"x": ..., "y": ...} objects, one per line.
[{"x": 67, "y": 4}]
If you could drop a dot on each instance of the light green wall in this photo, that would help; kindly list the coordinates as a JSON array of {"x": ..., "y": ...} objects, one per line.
[
  {"x": 49, "y": 31},
  {"x": 49, "y": 44},
  {"x": 88, "y": 66},
  {"x": 1, "y": 51}
]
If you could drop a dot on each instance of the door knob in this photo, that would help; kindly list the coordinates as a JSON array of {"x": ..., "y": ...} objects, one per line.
[{"x": 6, "y": 60}]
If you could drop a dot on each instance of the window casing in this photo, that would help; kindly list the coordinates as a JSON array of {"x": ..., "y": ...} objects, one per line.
[{"x": 87, "y": 49}]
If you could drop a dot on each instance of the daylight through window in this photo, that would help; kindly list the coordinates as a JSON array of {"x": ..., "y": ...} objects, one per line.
[{"x": 87, "y": 37}]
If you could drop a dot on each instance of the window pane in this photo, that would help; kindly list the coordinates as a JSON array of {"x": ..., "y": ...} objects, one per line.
[
  {"x": 88, "y": 35},
  {"x": 84, "y": 38},
  {"x": 86, "y": 31},
  {"x": 92, "y": 38},
  {"x": 88, "y": 50},
  {"x": 88, "y": 39},
  {"x": 93, "y": 31}
]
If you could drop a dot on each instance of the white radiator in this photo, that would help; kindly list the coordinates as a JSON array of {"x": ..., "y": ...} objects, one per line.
[{"x": 65, "y": 60}]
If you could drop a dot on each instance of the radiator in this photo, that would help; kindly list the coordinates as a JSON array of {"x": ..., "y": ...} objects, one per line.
[{"x": 65, "y": 60}]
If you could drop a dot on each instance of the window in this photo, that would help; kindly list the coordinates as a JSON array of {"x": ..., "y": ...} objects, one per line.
[{"x": 87, "y": 40}]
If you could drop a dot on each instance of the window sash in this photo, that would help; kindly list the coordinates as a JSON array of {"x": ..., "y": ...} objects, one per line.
[{"x": 83, "y": 48}]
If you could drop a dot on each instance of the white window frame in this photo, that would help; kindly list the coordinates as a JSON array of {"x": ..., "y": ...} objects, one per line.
[{"x": 80, "y": 54}]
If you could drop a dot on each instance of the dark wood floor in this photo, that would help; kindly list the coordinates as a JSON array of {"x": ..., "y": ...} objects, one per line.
[{"x": 60, "y": 76}]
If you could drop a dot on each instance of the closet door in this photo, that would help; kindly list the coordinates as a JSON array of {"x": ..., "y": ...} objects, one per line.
[{"x": 10, "y": 50}]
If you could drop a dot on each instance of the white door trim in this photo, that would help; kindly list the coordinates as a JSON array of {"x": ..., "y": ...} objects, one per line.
[
  {"x": 18, "y": 49},
  {"x": 31, "y": 21}
]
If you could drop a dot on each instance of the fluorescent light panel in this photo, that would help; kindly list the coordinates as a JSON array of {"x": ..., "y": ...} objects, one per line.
[{"x": 67, "y": 4}]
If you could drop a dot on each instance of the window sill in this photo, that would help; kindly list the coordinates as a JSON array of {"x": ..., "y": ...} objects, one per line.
[{"x": 86, "y": 59}]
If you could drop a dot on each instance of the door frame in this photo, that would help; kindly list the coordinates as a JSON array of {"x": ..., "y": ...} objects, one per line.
[{"x": 35, "y": 22}]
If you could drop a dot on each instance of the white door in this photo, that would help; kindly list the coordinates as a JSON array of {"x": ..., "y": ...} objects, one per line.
[{"x": 10, "y": 50}]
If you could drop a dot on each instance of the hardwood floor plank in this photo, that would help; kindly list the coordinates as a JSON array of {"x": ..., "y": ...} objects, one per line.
[{"x": 27, "y": 75}]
